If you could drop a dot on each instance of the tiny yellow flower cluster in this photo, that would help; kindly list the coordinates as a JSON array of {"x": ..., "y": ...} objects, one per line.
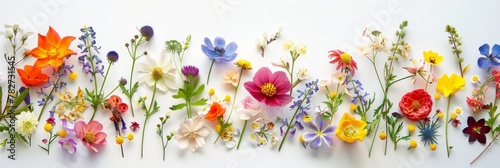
[
  {"x": 455, "y": 113},
  {"x": 120, "y": 139}
]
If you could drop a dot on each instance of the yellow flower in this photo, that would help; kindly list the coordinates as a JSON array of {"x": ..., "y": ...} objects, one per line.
[
  {"x": 413, "y": 144},
  {"x": 119, "y": 140},
  {"x": 247, "y": 65},
  {"x": 350, "y": 129},
  {"x": 449, "y": 85},
  {"x": 437, "y": 96},
  {"x": 47, "y": 127},
  {"x": 432, "y": 57},
  {"x": 474, "y": 79},
  {"x": 307, "y": 118},
  {"x": 440, "y": 115},
  {"x": 333, "y": 94},
  {"x": 353, "y": 107},
  {"x": 62, "y": 133},
  {"x": 433, "y": 147},
  {"x": 382, "y": 135},
  {"x": 73, "y": 75},
  {"x": 458, "y": 110},
  {"x": 411, "y": 128},
  {"x": 227, "y": 98},
  {"x": 211, "y": 91},
  {"x": 130, "y": 136},
  {"x": 453, "y": 116}
]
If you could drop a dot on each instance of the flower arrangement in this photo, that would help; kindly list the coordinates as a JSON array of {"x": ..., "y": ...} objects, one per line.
[{"x": 282, "y": 86}]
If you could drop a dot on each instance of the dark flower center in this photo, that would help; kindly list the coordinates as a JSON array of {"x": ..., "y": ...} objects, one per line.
[{"x": 219, "y": 50}]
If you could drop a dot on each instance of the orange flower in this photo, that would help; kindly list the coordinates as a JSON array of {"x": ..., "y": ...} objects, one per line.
[
  {"x": 51, "y": 49},
  {"x": 32, "y": 76},
  {"x": 216, "y": 110}
]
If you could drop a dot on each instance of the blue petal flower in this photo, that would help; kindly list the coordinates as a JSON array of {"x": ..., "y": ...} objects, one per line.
[
  {"x": 495, "y": 51},
  {"x": 218, "y": 50},
  {"x": 489, "y": 60},
  {"x": 484, "y": 50},
  {"x": 483, "y": 62}
]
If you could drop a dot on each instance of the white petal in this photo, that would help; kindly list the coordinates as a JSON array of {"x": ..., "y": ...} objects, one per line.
[
  {"x": 183, "y": 142},
  {"x": 203, "y": 132}
]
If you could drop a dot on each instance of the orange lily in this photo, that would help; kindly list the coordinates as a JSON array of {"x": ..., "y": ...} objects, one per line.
[
  {"x": 31, "y": 76},
  {"x": 51, "y": 49}
]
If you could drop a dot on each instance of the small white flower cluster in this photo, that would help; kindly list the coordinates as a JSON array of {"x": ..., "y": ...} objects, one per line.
[
  {"x": 265, "y": 40},
  {"x": 263, "y": 132}
]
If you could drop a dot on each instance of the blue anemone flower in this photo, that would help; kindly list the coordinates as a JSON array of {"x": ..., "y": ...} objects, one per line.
[
  {"x": 220, "y": 51},
  {"x": 492, "y": 59}
]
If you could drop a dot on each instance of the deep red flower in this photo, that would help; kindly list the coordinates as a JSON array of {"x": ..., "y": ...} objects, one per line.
[
  {"x": 51, "y": 121},
  {"x": 476, "y": 130},
  {"x": 416, "y": 105},
  {"x": 134, "y": 126}
]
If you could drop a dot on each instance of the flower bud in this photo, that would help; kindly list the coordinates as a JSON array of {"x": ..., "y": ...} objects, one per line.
[
  {"x": 112, "y": 56},
  {"x": 147, "y": 32}
]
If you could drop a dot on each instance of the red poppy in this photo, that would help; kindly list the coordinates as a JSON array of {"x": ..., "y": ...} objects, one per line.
[
  {"x": 476, "y": 130},
  {"x": 416, "y": 105},
  {"x": 32, "y": 76}
]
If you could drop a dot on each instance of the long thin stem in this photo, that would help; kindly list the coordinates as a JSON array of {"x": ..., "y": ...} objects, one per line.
[
  {"x": 148, "y": 114},
  {"x": 487, "y": 147},
  {"x": 134, "y": 58},
  {"x": 235, "y": 92},
  {"x": 104, "y": 80},
  {"x": 289, "y": 125},
  {"x": 210, "y": 71},
  {"x": 291, "y": 74},
  {"x": 241, "y": 135},
  {"x": 143, "y": 130},
  {"x": 446, "y": 131},
  {"x": 47, "y": 98},
  {"x": 428, "y": 77}
]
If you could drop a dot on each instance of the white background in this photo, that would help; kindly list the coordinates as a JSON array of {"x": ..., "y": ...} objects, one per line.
[{"x": 322, "y": 26}]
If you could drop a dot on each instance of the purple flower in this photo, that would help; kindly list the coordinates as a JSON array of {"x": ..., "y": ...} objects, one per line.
[
  {"x": 112, "y": 56},
  {"x": 68, "y": 129},
  {"x": 147, "y": 32},
  {"x": 492, "y": 59},
  {"x": 68, "y": 144},
  {"x": 190, "y": 70},
  {"x": 319, "y": 131},
  {"x": 27, "y": 99},
  {"x": 220, "y": 52}
]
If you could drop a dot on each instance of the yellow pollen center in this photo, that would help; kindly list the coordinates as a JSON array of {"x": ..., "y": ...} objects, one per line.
[
  {"x": 157, "y": 73},
  {"x": 268, "y": 89},
  {"x": 52, "y": 52},
  {"x": 345, "y": 58},
  {"x": 350, "y": 131},
  {"x": 191, "y": 135},
  {"x": 432, "y": 59},
  {"x": 89, "y": 137},
  {"x": 415, "y": 105}
]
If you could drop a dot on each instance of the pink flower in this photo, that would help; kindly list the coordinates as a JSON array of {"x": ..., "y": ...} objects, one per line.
[
  {"x": 90, "y": 134},
  {"x": 247, "y": 109},
  {"x": 270, "y": 88}
]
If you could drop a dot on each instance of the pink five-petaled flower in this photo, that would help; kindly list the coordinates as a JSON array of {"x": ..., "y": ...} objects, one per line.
[
  {"x": 416, "y": 105},
  {"x": 270, "y": 88},
  {"x": 344, "y": 60},
  {"x": 90, "y": 134}
]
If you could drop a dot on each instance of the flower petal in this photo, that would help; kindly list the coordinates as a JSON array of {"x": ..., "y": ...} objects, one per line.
[
  {"x": 495, "y": 51},
  {"x": 208, "y": 43},
  {"x": 309, "y": 136},
  {"x": 485, "y": 50},
  {"x": 219, "y": 42},
  {"x": 231, "y": 47},
  {"x": 483, "y": 62},
  {"x": 316, "y": 143}
]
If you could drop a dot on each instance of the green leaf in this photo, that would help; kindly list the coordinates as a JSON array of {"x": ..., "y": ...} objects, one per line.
[
  {"x": 124, "y": 90},
  {"x": 177, "y": 106},
  {"x": 20, "y": 98},
  {"x": 199, "y": 90},
  {"x": 497, "y": 129},
  {"x": 134, "y": 89},
  {"x": 3, "y": 128},
  {"x": 46, "y": 150},
  {"x": 180, "y": 95},
  {"x": 200, "y": 102}
]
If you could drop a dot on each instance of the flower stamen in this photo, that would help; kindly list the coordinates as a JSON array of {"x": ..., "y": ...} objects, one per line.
[{"x": 268, "y": 89}]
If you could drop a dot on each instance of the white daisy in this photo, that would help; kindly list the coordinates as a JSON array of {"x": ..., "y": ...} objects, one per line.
[
  {"x": 161, "y": 72},
  {"x": 26, "y": 123}
]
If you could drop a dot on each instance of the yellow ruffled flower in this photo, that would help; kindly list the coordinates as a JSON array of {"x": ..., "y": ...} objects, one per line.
[
  {"x": 247, "y": 65},
  {"x": 351, "y": 129},
  {"x": 450, "y": 85},
  {"x": 432, "y": 57}
]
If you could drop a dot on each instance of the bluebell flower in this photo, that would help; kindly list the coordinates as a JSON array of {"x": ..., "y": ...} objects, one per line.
[
  {"x": 220, "y": 51},
  {"x": 318, "y": 132},
  {"x": 492, "y": 59},
  {"x": 359, "y": 95}
]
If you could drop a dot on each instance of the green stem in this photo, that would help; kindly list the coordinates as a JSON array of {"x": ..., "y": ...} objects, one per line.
[
  {"x": 376, "y": 72},
  {"x": 210, "y": 71},
  {"x": 177, "y": 67},
  {"x": 291, "y": 75},
  {"x": 289, "y": 125},
  {"x": 235, "y": 92},
  {"x": 111, "y": 91},
  {"x": 428, "y": 77},
  {"x": 134, "y": 58},
  {"x": 143, "y": 130},
  {"x": 93, "y": 114},
  {"x": 373, "y": 139},
  {"x": 487, "y": 147},
  {"x": 47, "y": 98},
  {"x": 446, "y": 131},
  {"x": 105, "y": 77},
  {"x": 241, "y": 135}
]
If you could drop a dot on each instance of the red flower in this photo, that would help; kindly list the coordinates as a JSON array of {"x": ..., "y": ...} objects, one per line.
[
  {"x": 216, "y": 110},
  {"x": 113, "y": 101},
  {"x": 270, "y": 88},
  {"x": 474, "y": 104},
  {"x": 476, "y": 130},
  {"x": 32, "y": 76},
  {"x": 416, "y": 105},
  {"x": 134, "y": 126},
  {"x": 122, "y": 108},
  {"x": 344, "y": 60}
]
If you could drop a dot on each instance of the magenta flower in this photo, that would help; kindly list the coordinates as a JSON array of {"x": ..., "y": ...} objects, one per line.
[
  {"x": 90, "y": 134},
  {"x": 270, "y": 88}
]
